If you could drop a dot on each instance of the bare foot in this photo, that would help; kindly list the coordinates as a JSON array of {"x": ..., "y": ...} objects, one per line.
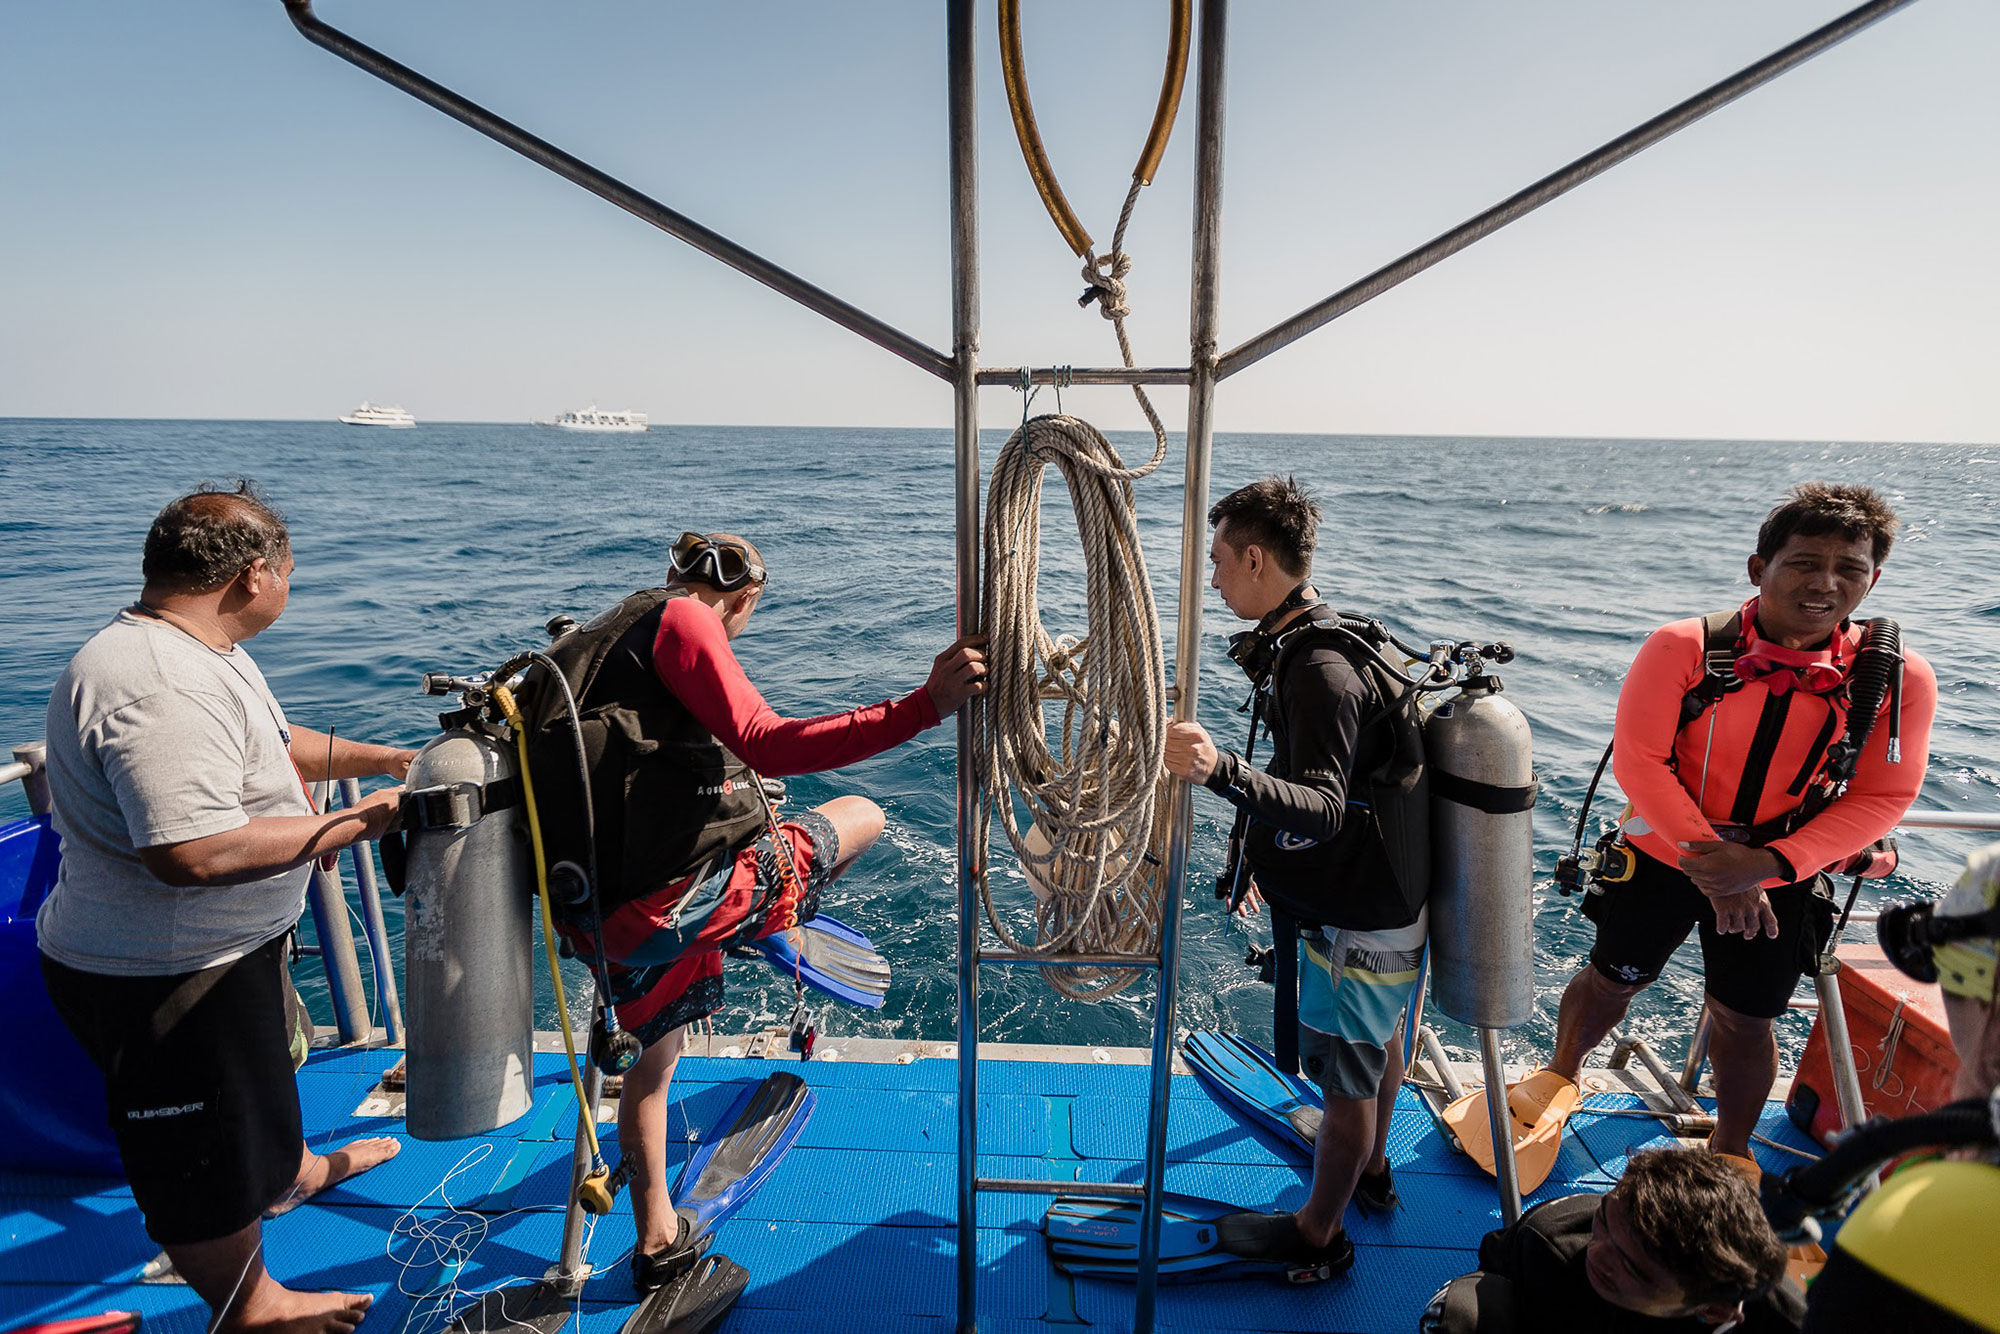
[
  {"x": 271, "y": 1309},
  {"x": 317, "y": 1171}
]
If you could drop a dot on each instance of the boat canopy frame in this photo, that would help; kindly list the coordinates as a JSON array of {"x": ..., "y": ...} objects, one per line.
[{"x": 1206, "y": 368}]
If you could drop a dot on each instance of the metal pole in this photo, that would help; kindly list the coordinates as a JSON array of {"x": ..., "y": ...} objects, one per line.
[
  {"x": 336, "y": 956},
  {"x": 1505, "y": 1174},
  {"x": 571, "y": 1268},
  {"x": 617, "y": 192},
  {"x": 1092, "y": 375},
  {"x": 1555, "y": 184},
  {"x": 35, "y": 782},
  {"x": 963, "y": 130},
  {"x": 1434, "y": 1052},
  {"x": 1697, "y": 1055},
  {"x": 1663, "y": 1079},
  {"x": 379, "y": 960},
  {"x": 1205, "y": 289},
  {"x": 1840, "y": 1050}
]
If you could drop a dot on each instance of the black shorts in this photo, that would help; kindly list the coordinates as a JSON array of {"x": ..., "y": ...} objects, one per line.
[
  {"x": 1641, "y": 922},
  {"x": 198, "y": 1079}
]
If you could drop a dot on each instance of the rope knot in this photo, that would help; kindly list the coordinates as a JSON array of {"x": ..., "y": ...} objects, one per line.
[{"x": 1106, "y": 276}]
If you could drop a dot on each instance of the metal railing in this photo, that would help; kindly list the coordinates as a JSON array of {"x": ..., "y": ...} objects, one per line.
[{"x": 326, "y": 897}]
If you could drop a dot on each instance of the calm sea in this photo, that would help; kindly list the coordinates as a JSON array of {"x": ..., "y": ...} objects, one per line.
[{"x": 448, "y": 546}]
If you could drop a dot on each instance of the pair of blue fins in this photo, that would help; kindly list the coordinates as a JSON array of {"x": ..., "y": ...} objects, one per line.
[
  {"x": 1199, "y": 1238},
  {"x": 725, "y": 1169},
  {"x": 1205, "y": 1239}
]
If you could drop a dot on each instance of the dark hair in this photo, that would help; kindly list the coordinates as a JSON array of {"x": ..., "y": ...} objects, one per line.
[
  {"x": 1815, "y": 509},
  {"x": 1699, "y": 1218},
  {"x": 203, "y": 540},
  {"x": 1276, "y": 514}
]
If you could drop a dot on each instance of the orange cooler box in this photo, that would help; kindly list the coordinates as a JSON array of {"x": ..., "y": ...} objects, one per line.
[{"x": 1901, "y": 1046}]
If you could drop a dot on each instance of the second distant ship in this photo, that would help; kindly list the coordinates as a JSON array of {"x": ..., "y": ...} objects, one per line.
[
  {"x": 374, "y": 414},
  {"x": 591, "y": 419}
]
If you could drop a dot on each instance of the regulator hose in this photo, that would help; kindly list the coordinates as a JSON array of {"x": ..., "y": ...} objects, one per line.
[
  {"x": 1822, "y": 1186},
  {"x": 1877, "y": 674},
  {"x": 594, "y": 1194},
  {"x": 620, "y": 1050}
]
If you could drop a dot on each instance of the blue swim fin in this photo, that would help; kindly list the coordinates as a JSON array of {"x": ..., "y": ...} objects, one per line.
[
  {"x": 1199, "y": 1239},
  {"x": 1246, "y": 1078},
  {"x": 829, "y": 955},
  {"x": 737, "y": 1157}
]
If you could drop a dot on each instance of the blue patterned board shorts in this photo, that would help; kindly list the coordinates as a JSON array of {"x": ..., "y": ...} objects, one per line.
[{"x": 1354, "y": 987}]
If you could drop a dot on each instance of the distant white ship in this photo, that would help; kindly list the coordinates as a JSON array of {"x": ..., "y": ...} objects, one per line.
[
  {"x": 590, "y": 419},
  {"x": 372, "y": 414}
]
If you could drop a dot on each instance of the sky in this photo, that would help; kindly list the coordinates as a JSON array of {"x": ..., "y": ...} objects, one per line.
[{"x": 205, "y": 216}]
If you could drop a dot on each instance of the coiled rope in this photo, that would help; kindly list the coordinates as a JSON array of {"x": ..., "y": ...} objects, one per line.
[{"x": 1091, "y": 844}]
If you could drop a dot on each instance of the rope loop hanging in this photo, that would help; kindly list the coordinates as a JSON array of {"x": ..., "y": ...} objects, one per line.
[{"x": 1090, "y": 845}]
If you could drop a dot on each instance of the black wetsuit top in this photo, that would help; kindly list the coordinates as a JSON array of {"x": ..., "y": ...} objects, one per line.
[
  {"x": 1315, "y": 719},
  {"x": 1543, "y": 1255}
]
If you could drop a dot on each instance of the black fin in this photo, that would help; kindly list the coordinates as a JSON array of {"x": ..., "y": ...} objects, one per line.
[
  {"x": 541, "y": 1306},
  {"x": 694, "y": 1303}
]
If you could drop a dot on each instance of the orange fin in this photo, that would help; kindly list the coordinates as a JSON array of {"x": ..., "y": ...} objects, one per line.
[{"x": 1539, "y": 1106}]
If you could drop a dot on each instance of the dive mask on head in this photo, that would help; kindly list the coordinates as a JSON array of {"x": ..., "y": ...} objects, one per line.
[{"x": 724, "y": 565}]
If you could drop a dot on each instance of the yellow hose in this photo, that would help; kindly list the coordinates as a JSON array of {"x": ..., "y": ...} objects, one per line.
[
  {"x": 1014, "y": 75},
  {"x": 504, "y": 699}
]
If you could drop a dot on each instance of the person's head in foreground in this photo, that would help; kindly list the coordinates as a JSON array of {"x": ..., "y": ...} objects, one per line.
[{"x": 1682, "y": 1234}]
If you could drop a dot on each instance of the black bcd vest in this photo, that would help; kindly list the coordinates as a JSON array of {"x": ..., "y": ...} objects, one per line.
[
  {"x": 1375, "y": 873},
  {"x": 668, "y": 796}
]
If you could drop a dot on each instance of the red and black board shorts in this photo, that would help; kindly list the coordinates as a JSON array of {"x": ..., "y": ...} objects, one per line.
[
  {"x": 1642, "y": 921},
  {"x": 665, "y": 948},
  {"x": 199, "y": 1082}
]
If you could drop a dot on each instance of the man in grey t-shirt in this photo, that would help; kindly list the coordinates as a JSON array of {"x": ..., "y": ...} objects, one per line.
[{"x": 188, "y": 839}]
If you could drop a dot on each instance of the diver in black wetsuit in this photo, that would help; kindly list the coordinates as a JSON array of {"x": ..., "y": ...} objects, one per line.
[{"x": 1679, "y": 1246}]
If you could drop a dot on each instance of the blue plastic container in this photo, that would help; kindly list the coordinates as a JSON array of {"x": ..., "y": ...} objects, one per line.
[{"x": 52, "y": 1116}]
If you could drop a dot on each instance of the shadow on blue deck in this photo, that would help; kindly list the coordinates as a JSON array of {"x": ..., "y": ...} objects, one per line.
[{"x": 855, "y": 1230}]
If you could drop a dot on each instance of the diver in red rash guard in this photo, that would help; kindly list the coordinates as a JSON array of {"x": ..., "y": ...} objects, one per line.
[
  {"x": 732, "y": 882},
  {"x": 1712, "y": 847}
]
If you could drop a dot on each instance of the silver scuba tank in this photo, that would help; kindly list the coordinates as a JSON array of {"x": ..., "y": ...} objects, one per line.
[
  {"x": 1481, "y": 761},
  {"x": 467, "y": 947}
]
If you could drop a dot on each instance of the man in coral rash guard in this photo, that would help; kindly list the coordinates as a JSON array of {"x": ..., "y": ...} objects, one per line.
[
  {"x": 1725, "y": 829},
  {"x": 692, "y": 860}
]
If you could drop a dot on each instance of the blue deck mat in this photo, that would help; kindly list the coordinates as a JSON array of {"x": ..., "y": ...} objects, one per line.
[
  {"x": 854, "y": 1231},
  {"x": 849, "y": 1116},
  {"x": 1383, "y": 1294}
]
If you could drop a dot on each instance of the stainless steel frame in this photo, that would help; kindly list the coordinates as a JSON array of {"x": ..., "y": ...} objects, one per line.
[{"x": 1205, "y": 370}]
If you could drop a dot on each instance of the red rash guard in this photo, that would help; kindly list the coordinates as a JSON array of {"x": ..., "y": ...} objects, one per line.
[
  {"x": 692, "y": 657},
  {"x": 1679, "y": 779}
]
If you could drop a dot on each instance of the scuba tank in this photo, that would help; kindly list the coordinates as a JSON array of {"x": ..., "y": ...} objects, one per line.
[
  {"x": 468, "y": 984},
  {"x": 1482, "y": 906}
]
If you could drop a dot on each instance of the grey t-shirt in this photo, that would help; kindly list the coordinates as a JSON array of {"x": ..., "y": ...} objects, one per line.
[{"x": 156, "y": 738}]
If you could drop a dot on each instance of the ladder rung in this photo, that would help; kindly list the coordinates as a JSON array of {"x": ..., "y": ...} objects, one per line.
[
  {"x": 1071, "y": 960},
  {"x": 1089, "y": 1190}
]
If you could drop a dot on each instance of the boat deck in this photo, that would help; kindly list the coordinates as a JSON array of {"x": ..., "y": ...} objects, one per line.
[{"x": 853, "y": 1232}]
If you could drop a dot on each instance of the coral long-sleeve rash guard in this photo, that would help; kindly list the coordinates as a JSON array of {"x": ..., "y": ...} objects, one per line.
[
  {"x": 1681, "y": 779},
  {"x": 692, "y": 656}
]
